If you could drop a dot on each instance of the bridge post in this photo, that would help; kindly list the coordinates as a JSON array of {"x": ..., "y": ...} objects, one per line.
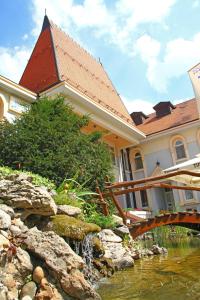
[{"x": 102, "y": 201}]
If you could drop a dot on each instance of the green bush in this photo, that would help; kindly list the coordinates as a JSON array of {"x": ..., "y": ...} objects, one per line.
[
  {"x": 47, "y": 140},
  {"x": 92, "y": 215},
  {"x": 37, "y": 179}
]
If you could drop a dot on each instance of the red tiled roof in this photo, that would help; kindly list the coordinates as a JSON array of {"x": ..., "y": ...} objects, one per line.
[
  {"x": 56, "y": 57},
  {"x": 183, "y": 113}
]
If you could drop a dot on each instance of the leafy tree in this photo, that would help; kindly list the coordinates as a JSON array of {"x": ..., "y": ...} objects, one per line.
[{"x": 47, "y": 140}]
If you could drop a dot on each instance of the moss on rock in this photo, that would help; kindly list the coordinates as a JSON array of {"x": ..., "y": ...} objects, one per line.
[{"x": 72, "y": 228}]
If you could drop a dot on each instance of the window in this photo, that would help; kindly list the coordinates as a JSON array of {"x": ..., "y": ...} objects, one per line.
[
  {"x": 138, "y": 161},
  {"x": 180, "y": 149},
  {"x": 144, "y": 199},
  {"x": 189, "y": 195}
]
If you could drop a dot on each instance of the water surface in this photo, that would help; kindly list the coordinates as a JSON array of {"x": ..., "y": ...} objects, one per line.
[{"x": 172, "y": 277}]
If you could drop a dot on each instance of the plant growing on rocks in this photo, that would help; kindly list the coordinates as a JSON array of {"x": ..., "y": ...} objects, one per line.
[
  {"x": 71, "y": 192},
  {"x": 47, "y": 140}
]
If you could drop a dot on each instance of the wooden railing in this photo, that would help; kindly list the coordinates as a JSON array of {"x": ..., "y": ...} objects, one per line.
[{"x": 115, "y": 189}]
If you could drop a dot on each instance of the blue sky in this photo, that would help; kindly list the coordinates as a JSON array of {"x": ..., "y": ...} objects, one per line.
[{"x": 145, "y": 46}]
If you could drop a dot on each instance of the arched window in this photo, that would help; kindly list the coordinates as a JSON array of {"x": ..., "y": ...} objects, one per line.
[
  {"x": 138, "y": 161},
  {"x": 180, "y": 149}
]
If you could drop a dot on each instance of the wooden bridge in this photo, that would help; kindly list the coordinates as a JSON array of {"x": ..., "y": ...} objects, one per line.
[
  {"x": 113, "y": 190},
  {"x": 186, "y": 219}
]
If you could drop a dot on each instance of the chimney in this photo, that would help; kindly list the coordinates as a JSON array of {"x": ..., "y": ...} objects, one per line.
[
  {"x": 163, "y": 108},
  {"x": 138, "y": 117}
]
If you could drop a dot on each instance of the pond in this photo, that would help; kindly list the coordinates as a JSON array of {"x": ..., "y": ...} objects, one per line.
[{"x": 174, "y": 276}]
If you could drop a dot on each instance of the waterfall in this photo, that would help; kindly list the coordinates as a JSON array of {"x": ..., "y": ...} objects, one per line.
[{"x": 85, "y": 250}]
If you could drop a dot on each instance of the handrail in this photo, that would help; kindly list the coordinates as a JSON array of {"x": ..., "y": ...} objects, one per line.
[{"x": 155, "y": 178}]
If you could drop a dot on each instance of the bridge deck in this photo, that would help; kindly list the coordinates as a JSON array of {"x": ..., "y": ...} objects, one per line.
[{"x": 186, "y": 219}]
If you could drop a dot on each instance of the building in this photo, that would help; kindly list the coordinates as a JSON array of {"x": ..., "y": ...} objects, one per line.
[
  {"x": 14, "y": 99},
  {"x": 58, "y": 65},
  {"x": 141, "y": 145},
  {"x": 172, "y": 136}
]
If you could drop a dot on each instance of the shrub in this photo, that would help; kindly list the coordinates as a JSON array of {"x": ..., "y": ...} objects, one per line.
[
  {"x": 47, "y": 140},
  {"x": 92, "y": 215}
]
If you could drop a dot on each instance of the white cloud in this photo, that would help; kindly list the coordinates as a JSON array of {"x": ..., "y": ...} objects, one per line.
[
  {"x": 117, "y": 25},
  {"x": 14, "y": 61},
  {"x": 195, "y": 4},
  {"x": 138, "y": 105},
  {"x": 179, "y": 56},
  {"x": 147, "y": 47},
  {"x": 144, "y": 11}
]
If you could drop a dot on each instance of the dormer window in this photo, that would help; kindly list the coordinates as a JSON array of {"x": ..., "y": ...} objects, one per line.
[
  {"x": 180, "y": 149},
  {"x": 163, "y": 108},
  {"x": 138, "y": 117},
  {"x": 138, "y": 161}
]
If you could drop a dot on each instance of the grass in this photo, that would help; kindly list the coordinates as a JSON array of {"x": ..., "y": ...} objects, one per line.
[{"x": 36, "y": 179}]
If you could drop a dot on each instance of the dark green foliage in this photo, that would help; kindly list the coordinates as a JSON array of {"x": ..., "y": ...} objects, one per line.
[{"x": 47, "y": 140}]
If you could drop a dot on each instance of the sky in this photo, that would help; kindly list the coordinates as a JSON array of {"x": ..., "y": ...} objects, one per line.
[{"x": 146, "y": 46}]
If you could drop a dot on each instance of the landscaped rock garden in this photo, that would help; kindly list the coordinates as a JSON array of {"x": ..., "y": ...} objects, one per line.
[{"x": 40, "y": 244}]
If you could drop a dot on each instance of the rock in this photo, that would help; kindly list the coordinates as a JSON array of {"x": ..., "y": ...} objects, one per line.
[
  {"x": 98, "y": 249},
  {"x": 108, "y": 235},
  {"x": 27, "y": 298},
  {"x": 7, "y": 210},
  {"x": 115, "y": 250},
  {"x": 158, "y": 250},
  {"x": 19, "y": 192},
  {"x": 135, "y": 254},
  {"x": 118, "y": 221},
  {"x": 23, "y": 262},
  {"x": 70, "y": 227},
  {"x": 15, "y": 230},
  {"x": 14, "y": 269},
  {"x": 5, "y": 220},
  {"x": 29, "y": 289},
  {"x": 4, "y": 242},
  {"x": 122, "y": 231},
  {"x": 38, "y": 274},
  {"x": 61, "y": 259},
  {"x": 3, "y": 292},
  {"x": 68, "y": 210},
  {"x": 47, "y": 291},
  {"x": 124, "y": 262}
]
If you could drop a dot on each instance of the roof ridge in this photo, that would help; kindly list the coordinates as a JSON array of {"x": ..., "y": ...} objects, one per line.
[{"x": 74, "y": 41}]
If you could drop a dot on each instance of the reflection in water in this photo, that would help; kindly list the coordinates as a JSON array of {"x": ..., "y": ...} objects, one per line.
[{"x": 174, "y": 277}]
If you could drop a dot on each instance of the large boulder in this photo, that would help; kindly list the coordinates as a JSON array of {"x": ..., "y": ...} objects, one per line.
[
  {"x": 18, "y": 192},
  {"x": 62, "y": 260},
  {"x": 70, "y": 227},
  {"x": 115, "y": 250}
]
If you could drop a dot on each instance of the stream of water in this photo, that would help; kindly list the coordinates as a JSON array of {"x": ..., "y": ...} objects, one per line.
[{"x": 175, "y": 276}]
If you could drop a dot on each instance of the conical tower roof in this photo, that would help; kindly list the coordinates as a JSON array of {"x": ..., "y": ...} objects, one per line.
[{"x": 57, "y": 57}]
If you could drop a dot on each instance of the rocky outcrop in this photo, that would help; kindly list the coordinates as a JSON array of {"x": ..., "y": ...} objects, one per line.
[
  {"x": 18, "y": 191},
  {"x": 68, "y": 210},
  {"x": 64, "y": 263},
  {"x": 114, "y": 249},
  {"x": 70, "y": 227}
]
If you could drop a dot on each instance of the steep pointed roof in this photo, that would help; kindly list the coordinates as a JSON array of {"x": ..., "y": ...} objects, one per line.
[{"x": 57, "y": 57}]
